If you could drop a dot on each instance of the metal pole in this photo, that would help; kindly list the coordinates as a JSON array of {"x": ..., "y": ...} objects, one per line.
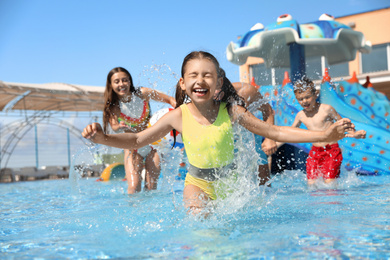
[
  {"x": 0, "y": 146},
  {"x": 298, "y": 70},
  {"x": 36, "y": 148},
  {"x": 67, "y": 132}
]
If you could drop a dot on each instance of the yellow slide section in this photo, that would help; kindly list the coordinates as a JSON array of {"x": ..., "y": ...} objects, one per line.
[{"x": 115, "y": 171}]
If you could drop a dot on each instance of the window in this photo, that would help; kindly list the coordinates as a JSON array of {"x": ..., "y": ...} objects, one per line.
[
  {"x": 338, "y": 70},
  {"x": 262, "y": 74},
  {"x": 279, "y": 75},
  {"x": 314, "y": 68},
  {"x": 266, "y": 76},
  {"x": 376, "y": 60}
]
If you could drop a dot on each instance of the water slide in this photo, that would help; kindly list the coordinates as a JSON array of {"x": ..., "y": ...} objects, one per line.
[{"x": 368, "y": 110}]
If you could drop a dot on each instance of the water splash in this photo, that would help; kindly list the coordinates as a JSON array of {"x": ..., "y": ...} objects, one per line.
[
  {"x": 82, "y": 161},
  {"x": 160, "y": 77}
]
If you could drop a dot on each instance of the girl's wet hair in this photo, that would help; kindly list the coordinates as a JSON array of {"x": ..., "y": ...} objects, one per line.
[
  {"x": 229, "y": 96},
  {"x": 228, "y": 93},
  {"x": 111, "y": 99}
]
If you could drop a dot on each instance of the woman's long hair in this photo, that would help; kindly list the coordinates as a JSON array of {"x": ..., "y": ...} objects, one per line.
[{"x": 111, "y": 99}]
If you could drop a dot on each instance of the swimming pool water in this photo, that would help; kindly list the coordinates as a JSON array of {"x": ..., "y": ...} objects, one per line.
[{"x": 61, "y": 219}]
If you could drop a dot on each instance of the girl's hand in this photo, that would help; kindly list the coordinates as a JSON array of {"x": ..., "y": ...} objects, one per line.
[
  {"x": 338, "y": 130},
  {"x": 361, "y": 134},
  {"x": 123, "y": 125},
  {"x": 172, "y": 101},
  {"x": 94, "y": 132}
]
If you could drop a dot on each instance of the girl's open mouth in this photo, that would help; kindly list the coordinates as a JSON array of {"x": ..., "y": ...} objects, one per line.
[{"x": 200, "y": 91}]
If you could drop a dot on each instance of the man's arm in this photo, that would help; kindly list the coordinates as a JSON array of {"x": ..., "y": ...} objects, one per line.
[{"x": 268, "y": 146}]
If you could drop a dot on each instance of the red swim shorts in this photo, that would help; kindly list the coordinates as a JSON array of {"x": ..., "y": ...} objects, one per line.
[{"x": 324, "y": 162}]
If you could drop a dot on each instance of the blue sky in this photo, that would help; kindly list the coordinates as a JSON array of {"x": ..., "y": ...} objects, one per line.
[{"x": 78, "y": 42}]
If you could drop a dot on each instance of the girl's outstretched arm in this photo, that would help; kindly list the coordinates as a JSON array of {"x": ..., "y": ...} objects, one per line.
[
  {"x": 297, "y": 123},
  {"x": 290, "y": 134},
  {"x": 172, "y": 120}
]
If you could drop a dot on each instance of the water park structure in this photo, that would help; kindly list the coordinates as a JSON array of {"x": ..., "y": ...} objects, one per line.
[
  {"x": 287, "y": 45},
  {"x": 43, "y": 104}
]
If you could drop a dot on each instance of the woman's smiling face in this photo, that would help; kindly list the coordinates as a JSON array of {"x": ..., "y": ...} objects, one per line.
[{"x": 120, "y": 84}]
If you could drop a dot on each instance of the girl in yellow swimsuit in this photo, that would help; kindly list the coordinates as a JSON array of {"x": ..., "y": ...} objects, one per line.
[
  {"x": 127, "y": 109},
  {"x": 205, "y": 125}
]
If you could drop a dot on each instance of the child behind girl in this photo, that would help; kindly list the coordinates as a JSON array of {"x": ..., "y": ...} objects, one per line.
[{"x": 206, "y": 128}]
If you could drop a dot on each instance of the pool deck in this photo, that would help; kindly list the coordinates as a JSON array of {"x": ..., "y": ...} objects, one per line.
[{"x": 8, "y": 175}]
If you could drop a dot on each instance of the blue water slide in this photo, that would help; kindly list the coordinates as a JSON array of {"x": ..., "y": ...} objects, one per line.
[{"x": 368, "y": 110}]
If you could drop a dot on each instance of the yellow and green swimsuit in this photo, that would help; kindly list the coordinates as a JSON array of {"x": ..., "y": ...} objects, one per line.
[{"x": 209, "y": 148}]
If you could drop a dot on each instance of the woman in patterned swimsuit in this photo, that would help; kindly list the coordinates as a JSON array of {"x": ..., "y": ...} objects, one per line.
[{"x": 127, "y": 109}]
